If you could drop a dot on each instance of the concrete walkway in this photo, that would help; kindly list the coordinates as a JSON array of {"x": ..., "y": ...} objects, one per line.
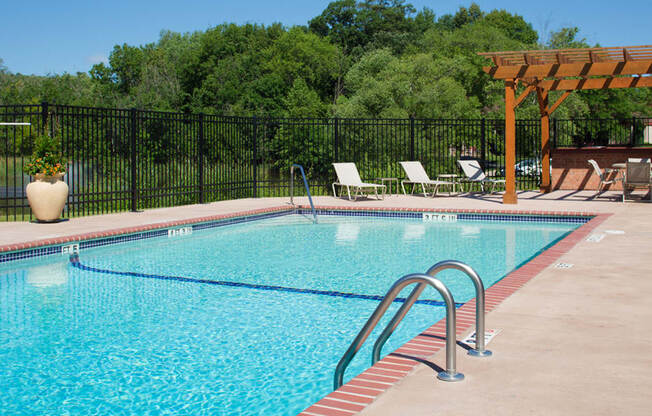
[
  {"x": 573, "y": 341},
  {"x": 17, "y": 232}
]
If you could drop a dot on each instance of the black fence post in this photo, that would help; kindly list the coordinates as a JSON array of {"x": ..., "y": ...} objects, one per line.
[
  {"x": 336, "y": 138},
  {"x": 134, "y": 160},
  {"x": 632, "y": 134},
  {"x": 483, "y": 139},
  {"x": 554, "y": 133},
  {"x": 411, "y": 138},
  {"x": 255, "y": 154},
  {"x": 200, "y": 157},
  {"x": 44, "y": 115}
]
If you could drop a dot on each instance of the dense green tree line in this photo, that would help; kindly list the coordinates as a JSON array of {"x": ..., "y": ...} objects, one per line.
[{"x": 370, "y": 58}]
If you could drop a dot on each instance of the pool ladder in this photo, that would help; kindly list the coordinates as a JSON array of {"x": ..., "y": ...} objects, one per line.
[
  {"x": 422, "y": 281},
  {"x": 305, "y": 183}
]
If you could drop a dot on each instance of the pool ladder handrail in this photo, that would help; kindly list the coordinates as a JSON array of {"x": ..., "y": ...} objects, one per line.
[
  {"x": 450, "y": 374},
  {"x": 305, "y": 183},
  {"x": 479, "y": 350}
]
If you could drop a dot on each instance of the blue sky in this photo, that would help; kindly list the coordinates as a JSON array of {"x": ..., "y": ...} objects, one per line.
[{"x": 41, "y": 37}]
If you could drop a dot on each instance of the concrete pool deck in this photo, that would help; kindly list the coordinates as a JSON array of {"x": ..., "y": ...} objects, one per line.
[{"x": 572, "y": 341}]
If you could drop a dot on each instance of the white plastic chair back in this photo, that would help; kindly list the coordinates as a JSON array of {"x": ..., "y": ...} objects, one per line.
[
  {"x": 472, "y": 169},
  {"x": 415, "y": 172},
  {"x": 597, "y": 169},
  {"x": 347, "y": 173}
]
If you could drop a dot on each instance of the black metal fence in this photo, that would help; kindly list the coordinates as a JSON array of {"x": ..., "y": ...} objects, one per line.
[
  {"x": 120, "y": 159},
  {"x": 635, "y": 131}
]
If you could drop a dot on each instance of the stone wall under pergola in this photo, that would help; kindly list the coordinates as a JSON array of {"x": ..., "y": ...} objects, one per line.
[{"x": 567, "y": 70}]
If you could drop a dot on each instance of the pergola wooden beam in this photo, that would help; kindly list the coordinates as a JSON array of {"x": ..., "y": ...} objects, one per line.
[
  {"x": 560, "y": 70},
  {"x": 595, "y": 83},
  {"x": 569, "y": 70},
  {"x": 558, "y": 102},
  {"x": 567, "y": 56},
  {"x": 524, "y": 95}
]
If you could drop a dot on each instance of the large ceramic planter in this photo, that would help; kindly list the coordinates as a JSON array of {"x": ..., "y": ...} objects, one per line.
[{"x": 47, "y": 196}]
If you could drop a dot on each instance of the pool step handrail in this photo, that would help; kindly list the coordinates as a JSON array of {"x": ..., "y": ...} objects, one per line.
[
  {"x": 479, "y": 350},
  {"x": 450, "y": 374},
  {"x": 305, "y": 183}
]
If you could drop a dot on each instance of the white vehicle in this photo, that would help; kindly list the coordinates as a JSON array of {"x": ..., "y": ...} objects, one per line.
[{"x": 528, "y": 167}]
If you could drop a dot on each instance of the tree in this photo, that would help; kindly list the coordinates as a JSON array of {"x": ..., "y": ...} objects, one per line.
[
  {"x": 566, "y": 38},
  {"x": 126, "y": 63},
  {"x": 371, "y": 24},
  {"x": 383, "y": 86},
  {"x": 513, "y": 25}
]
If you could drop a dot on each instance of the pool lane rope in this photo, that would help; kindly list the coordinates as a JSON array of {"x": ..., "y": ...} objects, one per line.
[{"x": 74, "y": 261}]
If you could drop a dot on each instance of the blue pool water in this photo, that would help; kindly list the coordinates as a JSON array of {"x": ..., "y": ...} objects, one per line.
[{"x": 110, "y": 341}]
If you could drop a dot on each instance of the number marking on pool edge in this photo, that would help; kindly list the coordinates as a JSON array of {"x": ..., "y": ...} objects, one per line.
[
  {"x": 595, "y": 238},
  {"x": 70, "y": 249},
  {"x": 175, "y": 232},
  {"x": 489, "y": 334},
  {"x": 437, "y": 217},
  {"x": 563, "y": 265}
]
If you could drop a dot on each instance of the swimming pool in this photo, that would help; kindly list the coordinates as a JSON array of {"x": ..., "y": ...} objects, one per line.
[{"x": 135, "y": 328}]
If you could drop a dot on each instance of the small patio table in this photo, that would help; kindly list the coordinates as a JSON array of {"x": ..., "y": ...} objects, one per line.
[
  {"x": 455, "y": 183},
  {"x": 388, "y": 187}
]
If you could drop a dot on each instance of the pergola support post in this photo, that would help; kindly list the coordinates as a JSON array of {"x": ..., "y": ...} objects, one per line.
[
  {"x": 542, "y": 96},
  {"x": 509, "y": 197}
]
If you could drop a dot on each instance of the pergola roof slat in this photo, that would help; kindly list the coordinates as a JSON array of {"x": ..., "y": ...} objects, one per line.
[
  {"x": 611, "y": 54},
  {"x": 571, "y": 69}
]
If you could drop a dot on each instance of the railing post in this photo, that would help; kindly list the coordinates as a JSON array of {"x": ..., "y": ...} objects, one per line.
[
  {"x": 483, "y": 139},
  {"x": 336, "y": 138},
  {"x": 200, "y": 158},
  {"x": 44, "y": 115},
  {"x": 255, "y": 155},
  {"x": 450, "y": 373},
  {"x": 134, "y": 160},
  {"x": 479, "y": 350},
  {"x": 411, "y": 137},
  {"x": 554, "y": 133},
  {"x": 632, "y": 134}
]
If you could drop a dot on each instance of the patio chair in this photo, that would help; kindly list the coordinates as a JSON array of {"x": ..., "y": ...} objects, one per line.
[
  {"x": 348, "y": 176},
  {"x": 602, "y": 174},
  {"x": 637, "y": 175},
  {"x": 475, "y": 174},
  {"x": 416, "y": 175}
]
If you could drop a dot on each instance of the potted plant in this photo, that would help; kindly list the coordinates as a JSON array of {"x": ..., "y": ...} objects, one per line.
[{"x": 47, "y": 193}]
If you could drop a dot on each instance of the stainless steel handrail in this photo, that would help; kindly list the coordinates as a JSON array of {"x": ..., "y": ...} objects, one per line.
[
  {"x": 479, "y": 350},
  {"x": 450, "y": 374},
  {"x": 305, "y": 183}
]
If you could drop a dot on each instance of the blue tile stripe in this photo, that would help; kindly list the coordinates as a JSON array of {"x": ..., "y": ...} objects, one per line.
[
  {"x": 56, "y": 249},
  {"x": 117, "y": 239},
  {"x": 461, "y": 216},
  {"x": 74, "y": 261}
]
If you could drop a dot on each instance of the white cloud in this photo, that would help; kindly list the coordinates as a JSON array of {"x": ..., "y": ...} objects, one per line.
[{"x": 96, "y": 59}]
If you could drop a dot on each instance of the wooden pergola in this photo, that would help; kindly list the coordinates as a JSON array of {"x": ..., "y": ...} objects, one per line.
[{"x": 564, "y": 70}]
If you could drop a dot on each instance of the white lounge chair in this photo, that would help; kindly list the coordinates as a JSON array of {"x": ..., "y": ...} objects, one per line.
[
  {"x": 602, "y": 174},
  {"x": 637, "y": 175},
  {"x": 475, "y": 174},
  {"x": 416, "y": 175},
  {"x": 348, "y": 176}
]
